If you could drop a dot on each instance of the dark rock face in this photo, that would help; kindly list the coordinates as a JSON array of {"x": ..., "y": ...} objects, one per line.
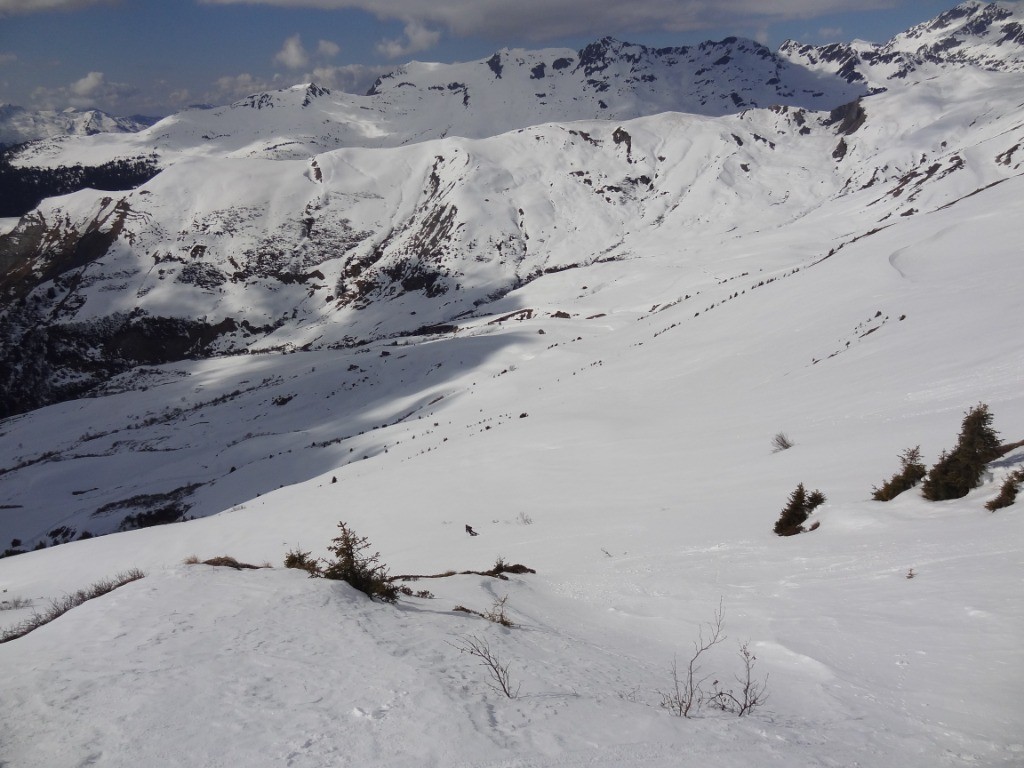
[
  {"x": 847, "y": 118},
  {"x": 495, "y": 64}
]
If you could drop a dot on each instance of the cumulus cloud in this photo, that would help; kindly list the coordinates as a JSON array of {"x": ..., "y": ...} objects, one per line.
[
  {"x": 89, "y": 85},
  {"x": 12, "y": 7},
  {"x": 545, "y": 19},
  {"x": 293, "y": 55},
  {"x": 327, "y": 49},
  {"x": 417, "y": 38},
  {"x": 233, "y": 87},
  {"x": 179, "y": 97},
  {"x": 93, "y": 91}
]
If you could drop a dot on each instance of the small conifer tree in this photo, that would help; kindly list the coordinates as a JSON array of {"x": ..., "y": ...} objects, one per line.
[
  {"x": 797, "y": 509},
  {"x": 912, "y": 471},
  {"x": 960, "y": 470},
  {"x": 1007, "y": 492},
  {"x": 363, "y": 571}
]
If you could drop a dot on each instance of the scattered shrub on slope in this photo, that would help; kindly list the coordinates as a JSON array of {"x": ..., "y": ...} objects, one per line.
[
  {"x": 781, "y": 442},
  {"x": 302, "y": 560},
  {"x": 958, "y": 471},
  {"x": 912, "y": 471},
  {"x": 59, "y": 607},
  {"x": 797, "y": 509},
  {"x": 352, "y": 564},
  {"x": 1008, "y": 491}
]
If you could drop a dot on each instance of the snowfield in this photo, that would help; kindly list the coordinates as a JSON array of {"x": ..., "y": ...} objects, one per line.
[
  {"x": 607, "y": 422},
  {"x": 645, "y": 470}
]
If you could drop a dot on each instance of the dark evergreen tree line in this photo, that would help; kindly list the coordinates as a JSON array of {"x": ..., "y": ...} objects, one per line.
[{"x": 23, "y": 188}]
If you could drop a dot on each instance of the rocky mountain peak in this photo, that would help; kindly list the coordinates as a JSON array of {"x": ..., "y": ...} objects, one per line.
[{"x": 988, "y": 36}]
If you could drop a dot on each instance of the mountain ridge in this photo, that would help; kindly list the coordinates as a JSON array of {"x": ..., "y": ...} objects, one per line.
[
  {"x": 19, "y": 125},
  {"x": 607, "y": 79}
]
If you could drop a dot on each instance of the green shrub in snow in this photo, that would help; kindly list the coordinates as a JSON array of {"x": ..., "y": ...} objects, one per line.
[
  {"x": 798, "y": 508},
  {"x": 1008, "y": 491},
  {"x": 352, "y": 563},
  {"x": 958, "y": 471},
  {"x": 912, "y": 471}
]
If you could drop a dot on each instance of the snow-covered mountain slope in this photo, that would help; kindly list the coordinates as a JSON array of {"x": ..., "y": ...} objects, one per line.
[
  {"x": 218, "y": 256},
  {"x": 18, "y": 125},
  {"x": 513, "y": 89},
  {"x": 577, "y": 337},
  {"x": 974, "y": 34},
  {"x": 625, "y": 454},
  {"x": 606, "y": 80}
]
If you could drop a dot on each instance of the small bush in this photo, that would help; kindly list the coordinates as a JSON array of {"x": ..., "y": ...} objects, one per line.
[
  {"x": 500, "y": 676},
  {"x": 352, "y": 564},
  {"x": 60, "y": 606},
  {"x": 1008, "y": 491},
  {"x": 226, "y": 561},
  {"x": 14, "y": 603},
  {"x": 752, "y": 692},
  {"x": 781, "y": 442},
  {"x": 302, "y": 560},
  {"x": 424, "y": 594},
  {"x": 958, "y": 471},
  {"x": 497, "y": 613},
  {"x": 361, "y": 570},
  {"x": 912, "y": 471},
  {"x": 798, "y": 508},
  {"x": 687, "y": 693}
]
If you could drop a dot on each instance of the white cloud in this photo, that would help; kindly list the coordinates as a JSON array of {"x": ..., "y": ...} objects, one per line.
[
  {"x": 830, "y": 33},
  {"x": 417, "y": 38},
  {"x": 233, "y": 87},
  {"x": 93, "y": 91},
  {"x": 88, "y": 85},
  {"x": 293, "y": 55},
  {"x": 179, "y": 97},
  {"x": 327, "y": 49},
  {"x": 546, "y": 19},
  {"x": 7, "y": 58}
]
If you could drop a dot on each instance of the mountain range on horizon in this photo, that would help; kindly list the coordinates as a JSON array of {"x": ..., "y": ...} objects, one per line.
[{"x": 712, "y": 78}]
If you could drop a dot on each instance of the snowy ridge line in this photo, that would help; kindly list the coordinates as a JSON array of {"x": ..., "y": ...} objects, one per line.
[{"x": 608, "y": 80}]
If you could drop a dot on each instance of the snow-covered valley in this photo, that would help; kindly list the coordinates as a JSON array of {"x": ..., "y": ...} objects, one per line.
[{"x": 623, "y": 314}]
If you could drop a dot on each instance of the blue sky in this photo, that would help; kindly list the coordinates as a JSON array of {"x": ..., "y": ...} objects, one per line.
[{"x": 155, "y": 56}]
